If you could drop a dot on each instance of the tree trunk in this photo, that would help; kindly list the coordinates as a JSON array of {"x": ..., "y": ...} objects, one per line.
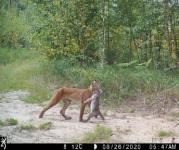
[
  {"x": 107, "y": 38},
  {"x": 107, "y": 42},
  {"x": 130, "y": 44},
  {"x": 10, "y": 6},
  {"x": 174, "y": 35},
  {"x": 150, "y": 45},
  {"x": 168, "y": 28},
  {"x": 104, "y": 33}
]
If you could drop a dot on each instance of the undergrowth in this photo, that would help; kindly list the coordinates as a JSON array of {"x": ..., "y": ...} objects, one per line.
[{"x": 27, "y": 69}]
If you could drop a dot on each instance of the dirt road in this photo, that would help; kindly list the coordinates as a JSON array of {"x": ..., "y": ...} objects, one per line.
[{"x": 126, "y": 127}]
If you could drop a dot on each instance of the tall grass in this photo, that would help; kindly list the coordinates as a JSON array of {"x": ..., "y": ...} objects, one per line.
[
  {"x": 26, "y": 69},
  {"x": 8, "y": 55},
  {"x": 118, "y": 84},
  {"x": 23, "y": 72}
]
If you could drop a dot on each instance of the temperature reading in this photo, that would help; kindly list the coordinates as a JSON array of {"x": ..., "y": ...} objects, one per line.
[{"x": 77, "y": 146}]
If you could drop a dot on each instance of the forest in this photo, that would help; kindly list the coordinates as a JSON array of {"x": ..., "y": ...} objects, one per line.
[
  {"x": 104, "y": 39},
  {"x": 95, "y": 31},
  {"x": 131, "y": 47}
]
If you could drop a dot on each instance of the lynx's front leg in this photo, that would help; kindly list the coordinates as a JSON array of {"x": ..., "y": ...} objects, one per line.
[{"x": 82, "y": 108}]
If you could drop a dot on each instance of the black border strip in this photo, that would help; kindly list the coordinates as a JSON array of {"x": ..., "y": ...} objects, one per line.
[{"x": 94, "y": 146}]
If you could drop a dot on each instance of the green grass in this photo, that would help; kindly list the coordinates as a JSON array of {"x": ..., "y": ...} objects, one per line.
[
  {"x": 28, "y": 70},
  {"x": 30, "y": 126},
  {"x": 24, "y": 76},
  {"x": 27, "y": 126},
  {"x": 101, "y": 133},
  {"x": 9, "y": 122},
  {"x": 8, "y": 55},
  {"x": 119, "y": 84},
  {"x": 1, "y": 123},
  {"x": 163, "y": 133},
  {"x": 45, "y": 126},
  {"x": 24, "y": 73}
]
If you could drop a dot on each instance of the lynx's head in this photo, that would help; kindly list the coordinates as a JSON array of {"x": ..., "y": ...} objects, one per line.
[{"x": 95, "y": 86}]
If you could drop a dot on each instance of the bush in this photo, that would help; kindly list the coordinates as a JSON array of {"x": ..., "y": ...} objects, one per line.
[
  {"x": 40, "y": 77},
  {"x": 118, "y": 84},
  {"x": 12, "y": 30}
]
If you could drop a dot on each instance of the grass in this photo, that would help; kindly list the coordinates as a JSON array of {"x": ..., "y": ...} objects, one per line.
[
  {"x": 30, "y": 126},
  {"x": 101, "y": 133},
  {"x": 9, "y": 122},
  {"x": 45, "y": 126},
  {"x": 118, "y": 84},
  {"x": 1, "y": 123},
  {"x": 28, "y": 70},
  {"x": 163, "y": 133},
  {"x": 27, "y": 126},
  {"x": 24, "y": 76},
  {"x": 8, "y": 55},
  {"x": 24, "y": 73}
]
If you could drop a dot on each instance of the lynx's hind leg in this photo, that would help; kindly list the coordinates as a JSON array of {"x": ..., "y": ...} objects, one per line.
[
  {"x": 53, "y": 101},
  {"x": 66, "y": 102}
]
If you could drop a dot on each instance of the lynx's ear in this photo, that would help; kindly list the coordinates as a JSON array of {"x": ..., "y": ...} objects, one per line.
[
  {"x": 95, "y": 86},
  {"x": 94, "y": 82}
]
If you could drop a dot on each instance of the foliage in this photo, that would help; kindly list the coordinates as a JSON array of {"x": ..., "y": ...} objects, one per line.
[
  {"x": 101, "y": 133},
  {"x": 9, "y": 121},
  {"x": 12, "y": 31},
  {"x": 63, "y": 29},
  {"x": 131, "y": 47},
  {"x": 105, "y": 31},
  {"x": 45, "y": 126},
  {"x": 25, "y": 72},
  {"x": 1, "y": 123},
  {"x": 163, "y": 133},
  {"x": 30, "y": 126},
  {"x": 40, "y": 77},
  {"x": 27, "y": 126},
  {"x": 9, "y": 55}
]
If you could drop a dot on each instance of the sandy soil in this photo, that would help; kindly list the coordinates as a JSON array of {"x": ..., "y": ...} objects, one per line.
[{"x": 126, "y": 127}]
